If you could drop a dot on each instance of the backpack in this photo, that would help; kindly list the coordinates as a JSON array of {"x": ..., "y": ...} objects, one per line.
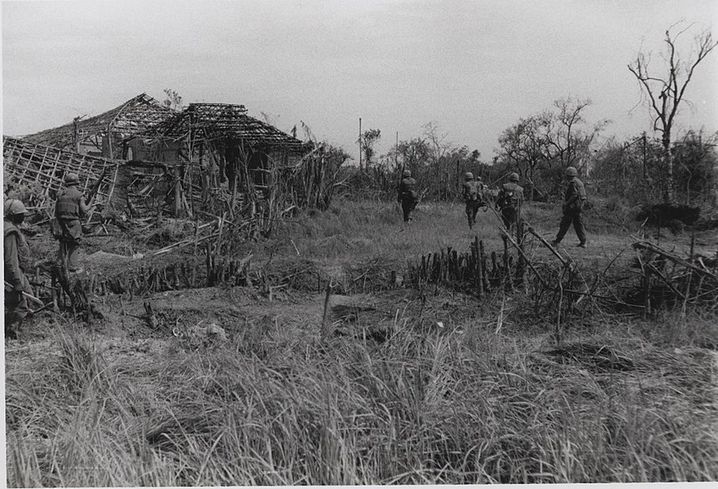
[
  {"x": 508, "y": 199},
  {"x": 473, "y": 191}
]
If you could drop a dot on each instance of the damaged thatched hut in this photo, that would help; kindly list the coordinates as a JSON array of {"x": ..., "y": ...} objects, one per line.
[
  {"x": 218, "y": 157},
  {"x": 204, "y": 162}
]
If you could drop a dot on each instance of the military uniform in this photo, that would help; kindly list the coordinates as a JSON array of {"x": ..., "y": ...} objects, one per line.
[
  {"x": 407, "y": 196},
  {"x": 69, "y": 209},
  {"x": 573, "y": 202},
  {"x": 472, "y": 191},
  {"x": 510, "y": 199},
  {"x": 17, "y": 261}
]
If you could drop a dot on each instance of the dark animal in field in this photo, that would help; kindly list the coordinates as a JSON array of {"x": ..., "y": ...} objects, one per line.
[{"x": 672, "y": 216}]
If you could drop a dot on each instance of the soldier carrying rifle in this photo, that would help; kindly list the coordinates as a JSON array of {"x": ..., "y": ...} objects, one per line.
[{"x": 70, "y": 208}]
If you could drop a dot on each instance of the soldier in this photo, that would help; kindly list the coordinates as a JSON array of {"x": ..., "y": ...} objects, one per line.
[
  {"x": 70, "y": 207},
  {"x": 573, "y": 203},
  {"x": 473, "y": 195},
  {"x": 17, "y": 262},
  {"x": 407, "y": 195},
  {"x": 510, "y": 200}
]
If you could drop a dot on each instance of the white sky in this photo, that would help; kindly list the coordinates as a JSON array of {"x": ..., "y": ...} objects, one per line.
[{"x": 472, "y": 67}]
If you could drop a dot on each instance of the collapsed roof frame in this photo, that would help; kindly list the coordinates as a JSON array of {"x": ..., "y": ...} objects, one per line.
[
  {"x": 105, "y": 132},
  {"x": 44, "y": 167},
  {"x": 210, "y": 143}
]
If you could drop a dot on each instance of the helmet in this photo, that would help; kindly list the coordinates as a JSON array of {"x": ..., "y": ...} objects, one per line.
[
  {"x": 72, "y": 179},
  {"x": 514, "y": 177},
  {"x": 14, "y": 207},
  {"x": 571, "y": 172},
  {"x": 468, "y": 176},
  {"x": 478, "y": 177},
  {"x": 406, "y": 173}
]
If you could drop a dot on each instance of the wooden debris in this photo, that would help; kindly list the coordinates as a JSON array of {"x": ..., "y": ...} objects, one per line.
[
  {"x": 452, "y": 267},
  {"x": 670, "y": 281}
]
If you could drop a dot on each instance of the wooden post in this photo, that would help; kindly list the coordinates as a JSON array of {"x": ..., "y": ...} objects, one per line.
[
  {"x": 647, "y": 288},
  {"x": 455, "y": 264},
  {"x": 506, "y": 256},
  {"x": 458, "y": 178},
  {"x": 326, "y": 330},
  {"x": 177, "y": 193},
  {"x": 360, "y": 148},
  {"x": 479, "y": 268},
  {"x": 482, "y": 259},
  {"x": 208, "y": 263},
  {"x": 520, "y": 244}
]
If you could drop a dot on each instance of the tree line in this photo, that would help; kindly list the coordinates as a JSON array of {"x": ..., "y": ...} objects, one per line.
[{"x": 642, "y": 169}]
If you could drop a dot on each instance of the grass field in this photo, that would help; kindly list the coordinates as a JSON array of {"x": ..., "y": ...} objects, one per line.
[{"x": 457, "y": 391}]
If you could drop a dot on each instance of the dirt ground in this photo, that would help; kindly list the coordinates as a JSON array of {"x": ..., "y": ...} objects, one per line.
[{"x": 297, "y": 305}]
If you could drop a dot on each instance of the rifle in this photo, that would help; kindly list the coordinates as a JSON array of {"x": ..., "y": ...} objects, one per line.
[
  {"x": 29, "y": 296},
  {"x": 96, "y": 187},
  {"x": 93, "y": 192}
]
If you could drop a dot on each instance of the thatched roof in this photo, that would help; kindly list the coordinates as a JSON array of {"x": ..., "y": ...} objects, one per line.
[
  {"x": 214, "y": 122},
  {"x": 134, "y": 116}
]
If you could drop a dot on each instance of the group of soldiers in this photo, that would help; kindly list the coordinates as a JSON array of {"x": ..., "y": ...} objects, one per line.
[
  {"x": 508, "y": 202},
  {"x": 70, "y": 208}
]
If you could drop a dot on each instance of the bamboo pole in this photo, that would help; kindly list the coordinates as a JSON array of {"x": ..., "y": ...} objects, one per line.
[{"x": 484, "y": 268}]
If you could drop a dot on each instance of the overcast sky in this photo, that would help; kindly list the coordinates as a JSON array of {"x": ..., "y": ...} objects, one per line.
[{"x": 471, "y": 67}]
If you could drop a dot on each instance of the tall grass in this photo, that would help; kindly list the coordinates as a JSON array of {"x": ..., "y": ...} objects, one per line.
[
  {"x": 459, "y": 406},
  {"x": 354, "y": 231}
]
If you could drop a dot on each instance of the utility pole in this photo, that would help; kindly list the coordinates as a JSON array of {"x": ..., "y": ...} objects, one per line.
[
  {"x": 360, "y": 167},
  {"x": 396, "y": 151},
  {"x": 644, "y": 155}
]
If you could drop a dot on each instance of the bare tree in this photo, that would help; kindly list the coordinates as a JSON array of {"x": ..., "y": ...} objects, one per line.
[
  {"x": 568, "y": 142},
  {"x": 665, "y": 92},
  {"x": 549, "y": 139},
  {"x": 173, "y": 99},
  {"x": 525, "y": 144},
  {"x": 437, "y": 139}
]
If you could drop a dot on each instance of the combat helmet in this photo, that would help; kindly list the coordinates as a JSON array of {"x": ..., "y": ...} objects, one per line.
[
  {"x": 406, "y": 173},
  {"x": 468, "y": 176},
  {"x": 72, "y": 179},
  {"x": 571, "y": 172},
  {"x": 14, "y": 207},
  {"x": 514, "y": 177}
]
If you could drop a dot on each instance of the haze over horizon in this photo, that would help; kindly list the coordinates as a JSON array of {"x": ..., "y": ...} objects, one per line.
[{"x": 472, "y": 68}]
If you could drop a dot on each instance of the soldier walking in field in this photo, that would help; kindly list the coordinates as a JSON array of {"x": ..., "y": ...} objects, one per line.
[
  {"x": 510, "y": 200},
  {"x": 573, "y": 202},
  {"x": 472, "y": 191},
  {"x": 408, "y": 197},
  {"x": 17, "y": 261},
  {"x": 70, "y": 207}
]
